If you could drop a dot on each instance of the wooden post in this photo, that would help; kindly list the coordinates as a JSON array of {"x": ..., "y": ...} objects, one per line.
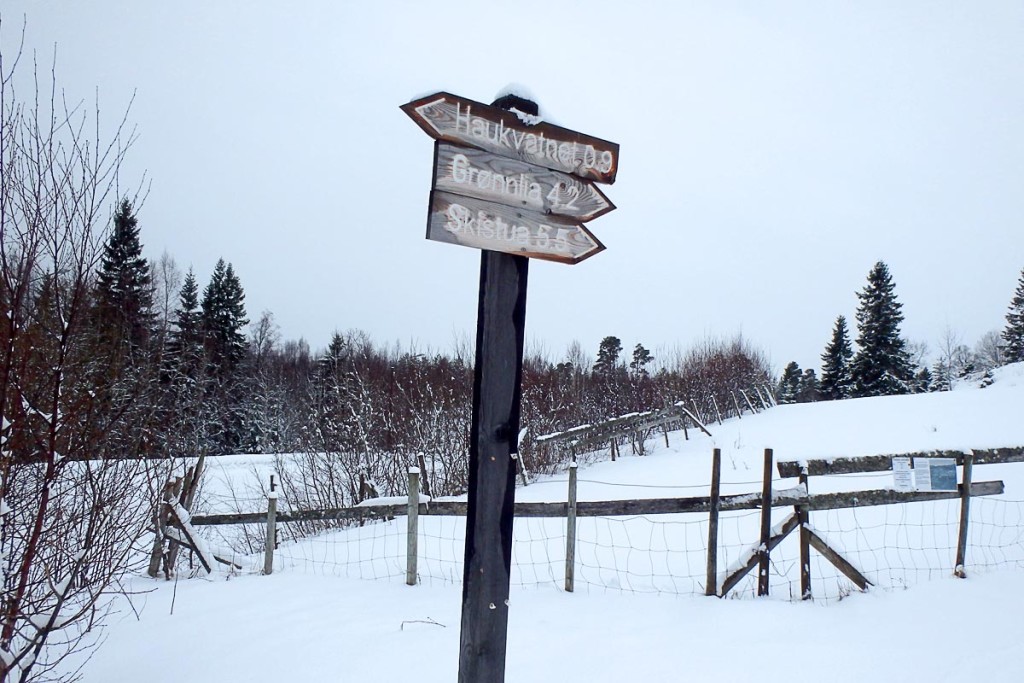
[
  {"x": 766, "y": 525},
  {"x": 965, "y": 509},
  {"x": 718, "y": 413},
  {"x": 570, "y": 532},
  {"x": 746, "y": 399},
  {"x": 412, "y": 528},
  {"x": 711, "y": 586},
  {"x": 492, "y": 469},
  {"x": 268, "y": 553},
  {"x": 739, "y": 413},
  {"x": 425, "y": 474},
  {"x": 805, "y": 542}
]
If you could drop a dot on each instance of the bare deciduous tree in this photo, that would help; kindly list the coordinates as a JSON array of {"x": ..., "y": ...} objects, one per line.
[{"x": 73, "y": 512}]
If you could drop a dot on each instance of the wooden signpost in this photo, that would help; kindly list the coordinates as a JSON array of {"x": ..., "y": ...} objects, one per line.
[{"x": 517, "y": 188}]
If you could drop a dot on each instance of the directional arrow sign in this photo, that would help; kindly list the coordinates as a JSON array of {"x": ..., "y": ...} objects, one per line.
[
  {"x": 455, "y": 119},
  {"x": 472, "y": 173},
  {"x": 473, "y": 223}
]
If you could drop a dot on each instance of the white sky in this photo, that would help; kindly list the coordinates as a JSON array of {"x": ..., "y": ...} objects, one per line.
[{"x": 771, "y": 153}]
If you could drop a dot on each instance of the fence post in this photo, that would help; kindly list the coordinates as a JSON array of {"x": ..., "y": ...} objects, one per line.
[
  {"x": 803, "y": 516},
  {"x": 718, "y": 413},
  {"x": 965, "y": 508},
  {"x": 268, "y": 554},
  {"x": 570, "y": 532},
  {"x": 766, "y": 525},
  {"x": 711, "y": 586},
  {"x": 412, "y": 532}
]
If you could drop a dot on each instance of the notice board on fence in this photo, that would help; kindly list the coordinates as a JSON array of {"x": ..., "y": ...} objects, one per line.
[{"x": 935, "y": 474}]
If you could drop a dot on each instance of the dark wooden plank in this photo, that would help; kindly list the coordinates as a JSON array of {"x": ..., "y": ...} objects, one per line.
[
  {"x": 444, "y": 116},
  {"x": 477, "y": 224},
  {"x": 501, "y": 323},
  {"x": 883, "y": 463},
  {"x": 763, "y": 564},
  {"x": 730, "y": 581},
  {"x": 838, "y": 561},
  {"x": 471, "y": 172}
]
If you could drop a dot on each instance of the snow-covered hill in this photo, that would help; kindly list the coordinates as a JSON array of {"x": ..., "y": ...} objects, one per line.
[{"x": 297, "y": 625}]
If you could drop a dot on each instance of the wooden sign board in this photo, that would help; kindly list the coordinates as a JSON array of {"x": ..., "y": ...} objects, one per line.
[
  {"x": 473, "y": 173},
  {"x": 455, "y": 219},
  {"x": 456, "y": 119}
]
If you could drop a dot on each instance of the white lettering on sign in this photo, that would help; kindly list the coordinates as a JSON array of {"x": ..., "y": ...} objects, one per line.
[
  {"x": 461, "y": 221},
  {"x": 564, "y": 153},
  {"x": 464, "y": 172}
]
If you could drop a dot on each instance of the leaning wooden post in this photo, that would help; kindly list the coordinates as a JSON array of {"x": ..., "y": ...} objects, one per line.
[
  {"x": 766, "y": 525},
  {"x": 803, "y": 517},
  {"x": 739, "y": 413},
  {"x": 570, "y": 532},
  {"x": 412, "y": 530},
  {"x": 965, "y": 509},
  {"x": 711, "y": 586},
  {"x": 268, "y": 553}
]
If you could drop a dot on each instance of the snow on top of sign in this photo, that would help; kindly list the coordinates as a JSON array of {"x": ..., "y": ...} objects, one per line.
[
  {"x": 521, "y": 91},
  {"x": 516, "y": 90}
]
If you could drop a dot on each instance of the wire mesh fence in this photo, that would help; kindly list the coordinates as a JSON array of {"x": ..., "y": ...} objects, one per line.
[{"x": 894, "y": 546}]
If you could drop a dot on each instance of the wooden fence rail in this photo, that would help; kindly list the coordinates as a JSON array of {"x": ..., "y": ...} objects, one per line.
[
  {"x": 883, "y": 463},
  {"x": 618, "y": 508}
]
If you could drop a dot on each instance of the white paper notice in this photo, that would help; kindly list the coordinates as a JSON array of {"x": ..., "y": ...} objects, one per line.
[{"x": 902, "y": 479}]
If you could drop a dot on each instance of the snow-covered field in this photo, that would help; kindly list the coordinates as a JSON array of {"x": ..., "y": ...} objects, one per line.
[{"x": 637, "y": 614}]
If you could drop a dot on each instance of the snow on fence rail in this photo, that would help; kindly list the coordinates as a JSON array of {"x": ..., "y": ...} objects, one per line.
[
  {"x": 634, "y": 426},
  {"x": 867, "y": 537}
]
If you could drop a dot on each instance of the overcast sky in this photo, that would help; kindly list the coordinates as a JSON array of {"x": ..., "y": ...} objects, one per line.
[{"x": 771, "y": 153}]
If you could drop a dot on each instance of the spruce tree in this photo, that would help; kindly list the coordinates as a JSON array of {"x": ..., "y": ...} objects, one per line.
[
  {"x": 223, "y": 317},
  {"x": 186, "y": 335},
  {"x": 836, "y": 379},
  {"x": 810, "y": 387},
  {"x": 789, "y": 384},
  {"x": 1013, "y": 335},
  {"x": 881, "y": 366},
  {"x": 124, "y": 291}
]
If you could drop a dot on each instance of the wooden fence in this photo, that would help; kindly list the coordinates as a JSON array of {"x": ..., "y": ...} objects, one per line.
[{"x": 798, "y": 498}]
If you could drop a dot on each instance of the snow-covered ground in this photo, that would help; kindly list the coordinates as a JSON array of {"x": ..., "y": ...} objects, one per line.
[{"x": 637, "y": 598}]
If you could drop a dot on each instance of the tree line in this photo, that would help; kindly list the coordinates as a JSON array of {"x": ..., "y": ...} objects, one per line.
[{"x": 885, "y": 363}]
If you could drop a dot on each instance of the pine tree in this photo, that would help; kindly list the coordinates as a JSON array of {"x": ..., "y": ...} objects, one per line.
[
  {"x": 641, "y": 358},
  {"x": 1013, "y": 335},
  {"x": 836, "y": 380},
  {"x": 608, "y": 357},
  {"x": 789, "y": 384},
  {"x": 223, "y": 317},
  {"x": 881, "y": 366},
  {"x": 124, "y": 291}
]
